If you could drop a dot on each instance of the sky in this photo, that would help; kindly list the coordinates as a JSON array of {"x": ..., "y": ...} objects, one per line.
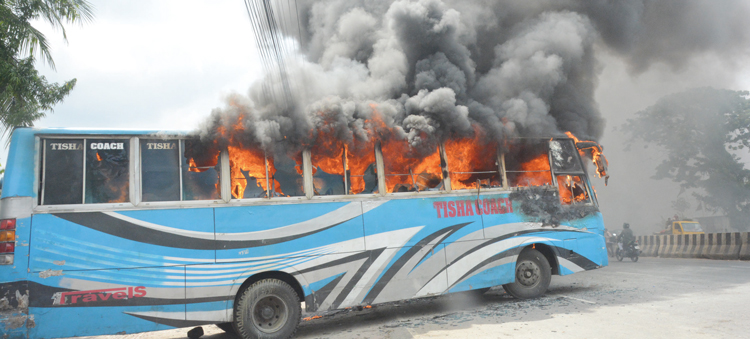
[{"x": 167, "y": 64}]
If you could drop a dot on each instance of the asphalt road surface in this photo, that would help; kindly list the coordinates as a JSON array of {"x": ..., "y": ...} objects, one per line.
[{"x": 652, "y": 298}]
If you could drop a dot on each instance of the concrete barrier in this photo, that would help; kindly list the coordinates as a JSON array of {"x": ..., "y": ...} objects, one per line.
[
  {"x": 649, "y": 245},
  {"x": 745, "y": 248},
  {"x": 666, "y": 244},
  {"x": 696, "y": 243},
  {"x": 685, "y": 245},
  {"x": 726, "y": 246},
  {"x": 718, "y": 246},
  {"x": 709, "y": 244}
]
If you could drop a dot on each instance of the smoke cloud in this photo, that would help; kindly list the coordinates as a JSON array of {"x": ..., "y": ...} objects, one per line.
[{"x": 430, "y": 70}]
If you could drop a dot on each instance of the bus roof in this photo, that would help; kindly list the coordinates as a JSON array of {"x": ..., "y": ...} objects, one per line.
[{"x": 97, "y": 131}]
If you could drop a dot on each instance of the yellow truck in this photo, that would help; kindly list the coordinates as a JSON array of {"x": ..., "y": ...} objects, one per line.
[{"x": 683, "y": 227}]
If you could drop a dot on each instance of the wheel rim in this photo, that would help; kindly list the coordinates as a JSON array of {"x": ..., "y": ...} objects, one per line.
[
  {"x": 528, "y": 273},
  {"x": 269, "y": 314}
]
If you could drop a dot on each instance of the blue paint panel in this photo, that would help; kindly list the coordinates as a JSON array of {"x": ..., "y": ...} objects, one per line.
[
  {"x": 259, "y": 218},
  {"x": 55, "y": 240},
  {"x": 270, "y": 217},
  {"x": 494, "y": 276},
  {"x": 427, "y": 212},
  {"x": 495, "y": 217}
]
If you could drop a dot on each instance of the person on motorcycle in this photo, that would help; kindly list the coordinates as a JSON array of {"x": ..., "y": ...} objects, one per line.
[
  {"x": 625, "y": 237},
  {"x": 610, "y": 241}
]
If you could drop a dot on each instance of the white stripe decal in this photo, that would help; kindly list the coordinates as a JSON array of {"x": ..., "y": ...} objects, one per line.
[{"x": 570, "y": 265}]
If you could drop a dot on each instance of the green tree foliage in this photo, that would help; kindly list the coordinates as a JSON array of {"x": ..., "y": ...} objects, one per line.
[
  {"x": 700, "y": 129},
  {"x": 25, "y": 95}
]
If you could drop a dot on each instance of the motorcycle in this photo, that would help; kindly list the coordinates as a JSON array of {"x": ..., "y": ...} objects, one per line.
[{"x": 632, "y": 251}]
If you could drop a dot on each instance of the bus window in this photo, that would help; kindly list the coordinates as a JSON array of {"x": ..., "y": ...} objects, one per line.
[
  {"x": 200, "y": 172},
  {"x": 248, "y": 169},
  {"x": 160, "y": 170},
  {"x": 328, "y": 170},
  {"x": 572, "y": 190},
  {"x": 107, "y": 171},
  {"x": 471, "y": 161},
  {"x": 407, "y": 171},
  {"x": 330, "y": 164},
  {"x": 564, "y": 156},
  {"x": 286, "y": 174},
  {"x": 361, "y": 171},
  {"x": 62, "y": 178},
  {"x": 527, "y": 164}
]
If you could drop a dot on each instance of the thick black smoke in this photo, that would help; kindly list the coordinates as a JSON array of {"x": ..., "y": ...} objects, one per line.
[{"x": 437, "y": 69}]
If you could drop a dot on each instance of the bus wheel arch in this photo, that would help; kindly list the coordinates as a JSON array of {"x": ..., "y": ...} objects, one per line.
[
  {"x": 548, "y": 253},
  {"x": 280, "y": 275}
]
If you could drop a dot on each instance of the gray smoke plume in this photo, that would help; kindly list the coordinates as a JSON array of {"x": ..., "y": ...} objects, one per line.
[{"x": 437, "y": 69}]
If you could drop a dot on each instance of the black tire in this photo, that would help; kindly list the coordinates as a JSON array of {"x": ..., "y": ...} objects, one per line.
[
  {"x": 533, "y": 275},
  {"x": 619, "y": 255},
  {"x": 268, "y": 309},
  {"x": 634, "y": 258},
  {"x": 227, "y": 327}
]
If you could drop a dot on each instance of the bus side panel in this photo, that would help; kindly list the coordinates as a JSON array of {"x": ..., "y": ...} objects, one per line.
[
  {"x": 413, "y": 265},
  {"x": 282, "y": 237},
  {"x": 126, "y": 239},
  {"x": 592, "y": 246},
  {"x": 477, "y": 264},
  {"x": 107, "y": 301},
  {"x": 287, "y": 230},
  {"x": 578, "y": 244}
]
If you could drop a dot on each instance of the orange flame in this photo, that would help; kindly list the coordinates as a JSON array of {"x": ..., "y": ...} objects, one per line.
[
  {"x": 596, "y": 155},
  {"x": 472, "y": 155},
  {"x": 571, "y": 189},
  {"x": 536, "y": 172},
  {"x": 98, "y": 157},
  {"x": 245, "y": 163}
]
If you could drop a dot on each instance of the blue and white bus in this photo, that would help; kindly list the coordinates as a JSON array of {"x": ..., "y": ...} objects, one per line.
[{"x": 108, "y": 232}]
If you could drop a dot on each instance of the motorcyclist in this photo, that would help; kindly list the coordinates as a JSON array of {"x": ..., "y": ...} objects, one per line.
[
  {"x": 610, "y": 241},
  {"x": 625, "y": 237}
]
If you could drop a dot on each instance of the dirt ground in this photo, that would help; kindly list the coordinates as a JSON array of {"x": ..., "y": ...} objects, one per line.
[{"x": 653, "y": 298}]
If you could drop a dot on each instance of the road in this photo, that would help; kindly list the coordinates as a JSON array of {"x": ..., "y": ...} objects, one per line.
[{"x": 653, "y": 298}]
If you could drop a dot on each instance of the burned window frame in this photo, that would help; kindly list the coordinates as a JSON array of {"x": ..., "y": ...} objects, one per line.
[{"x": 588, "y": 188}]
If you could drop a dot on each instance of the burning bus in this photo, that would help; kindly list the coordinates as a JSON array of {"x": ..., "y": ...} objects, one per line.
[{"x": 148, "y": 230}]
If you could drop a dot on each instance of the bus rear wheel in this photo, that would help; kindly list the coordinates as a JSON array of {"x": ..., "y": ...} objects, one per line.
[
  {"x": 533, "y": 275},
  {"x": 268, "y": 309}
]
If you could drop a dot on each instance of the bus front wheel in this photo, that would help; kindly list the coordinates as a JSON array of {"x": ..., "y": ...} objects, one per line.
[
  {"x": 533, "y": 275},
  {"x": 268, "y": 309}
]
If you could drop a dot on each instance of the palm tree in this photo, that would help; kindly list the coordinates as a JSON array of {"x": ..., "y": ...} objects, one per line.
[{"x": 24, "y": 94}]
